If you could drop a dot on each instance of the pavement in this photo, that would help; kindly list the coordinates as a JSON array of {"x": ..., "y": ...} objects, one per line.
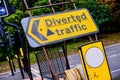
[{"x": 113, "y": 56}]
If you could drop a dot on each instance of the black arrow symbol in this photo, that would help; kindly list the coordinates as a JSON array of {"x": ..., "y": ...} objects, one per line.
[{"x": 49, "y": 32}]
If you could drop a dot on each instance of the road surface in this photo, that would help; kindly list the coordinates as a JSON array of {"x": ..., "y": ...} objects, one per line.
[{"x": 113, "y": 56}]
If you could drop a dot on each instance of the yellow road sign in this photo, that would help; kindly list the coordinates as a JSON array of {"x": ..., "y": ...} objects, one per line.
[
  {"x": 94, "y": 61},
  {"x": 61, "y": 26}
]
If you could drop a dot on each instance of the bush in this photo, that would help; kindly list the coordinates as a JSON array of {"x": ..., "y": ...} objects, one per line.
[
  {"x": 113, "y": 24},
  {"x": 100, "y": 13},
  {"x": 2, "y": 55}
]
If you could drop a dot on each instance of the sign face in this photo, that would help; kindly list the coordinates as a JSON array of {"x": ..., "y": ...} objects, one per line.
[
  {"x": 3, "y": 8},
  {"x": 94, "y": 61},
  {"x": 58, "y": 27}
]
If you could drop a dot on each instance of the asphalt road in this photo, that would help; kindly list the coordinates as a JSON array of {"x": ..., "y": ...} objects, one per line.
[{"x": 113, "y": 56}]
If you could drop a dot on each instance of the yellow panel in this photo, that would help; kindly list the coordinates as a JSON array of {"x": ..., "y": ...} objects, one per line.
[
  {"x": 21, "y": 63},
  {"x": 7, "y": 58},
  {"x": 21, "y": 51},
  {"x": 63, "y": 26},
  {"x": 16, "y": 56},
  {"x": 94, "y": 61}
]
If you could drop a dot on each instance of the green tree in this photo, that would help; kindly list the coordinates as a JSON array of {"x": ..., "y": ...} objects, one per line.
[
  {"x": 100, "y": 13},
  {"x": 113, "y": 24}
]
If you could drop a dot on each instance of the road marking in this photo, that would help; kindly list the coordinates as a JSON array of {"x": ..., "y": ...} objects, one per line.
[
  {"x": 38, "y": 75},
  {"x": 115, "y": 70},
  {"x": 36, "y": 71},
  {"x": 113, "y": 45},
  {"x": 114, "y": 55}
]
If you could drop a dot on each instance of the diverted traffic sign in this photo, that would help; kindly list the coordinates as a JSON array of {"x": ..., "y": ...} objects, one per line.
[
  {"x": 47, "y": 29},
  {"x": 94, "y": 61}
]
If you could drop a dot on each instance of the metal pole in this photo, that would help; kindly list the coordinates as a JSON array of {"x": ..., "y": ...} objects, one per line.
[
  {"x": 25, "y": 7},
  {"x": 90, "y": 38},
  {"x": 11, "y": 66},
  {"x": 20, "y": 66},
  {"x": 29, "y": 68},
  {"x": 51, "y": 6},
  {"x": 50, "y": 65},
  {"x": 96, "y": 37},
  {"x": 65, "y": 53},
  {"x": 73, "y": 4},
  {"x": 38, "y": 65}
]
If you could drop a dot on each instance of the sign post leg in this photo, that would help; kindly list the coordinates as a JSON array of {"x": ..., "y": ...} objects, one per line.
[
  {"x": 65, "y": 54},
  {"x": 50, "y": 65}
]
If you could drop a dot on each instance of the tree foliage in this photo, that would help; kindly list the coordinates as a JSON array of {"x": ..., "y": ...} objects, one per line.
[
  {"x": 100, "y": 12},
  {"x": 113, "y": 24}
]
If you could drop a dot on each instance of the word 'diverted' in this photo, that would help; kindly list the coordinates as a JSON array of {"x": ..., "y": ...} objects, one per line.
[{"x": 65, "y": 20}]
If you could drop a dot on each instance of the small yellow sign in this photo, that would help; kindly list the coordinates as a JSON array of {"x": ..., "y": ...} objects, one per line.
[
  {"x": 61, "y": 26},
  {"x": 94, "y": 61}
]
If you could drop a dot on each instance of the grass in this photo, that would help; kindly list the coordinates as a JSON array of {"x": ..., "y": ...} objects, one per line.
[
  {"x": 108, "y": 39},
  {"x": 32, "y": 58},
  {"x": 4, "y": 66}
]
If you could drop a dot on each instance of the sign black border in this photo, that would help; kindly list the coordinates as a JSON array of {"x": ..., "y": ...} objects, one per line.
[{"x": 81, "y": 54}]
